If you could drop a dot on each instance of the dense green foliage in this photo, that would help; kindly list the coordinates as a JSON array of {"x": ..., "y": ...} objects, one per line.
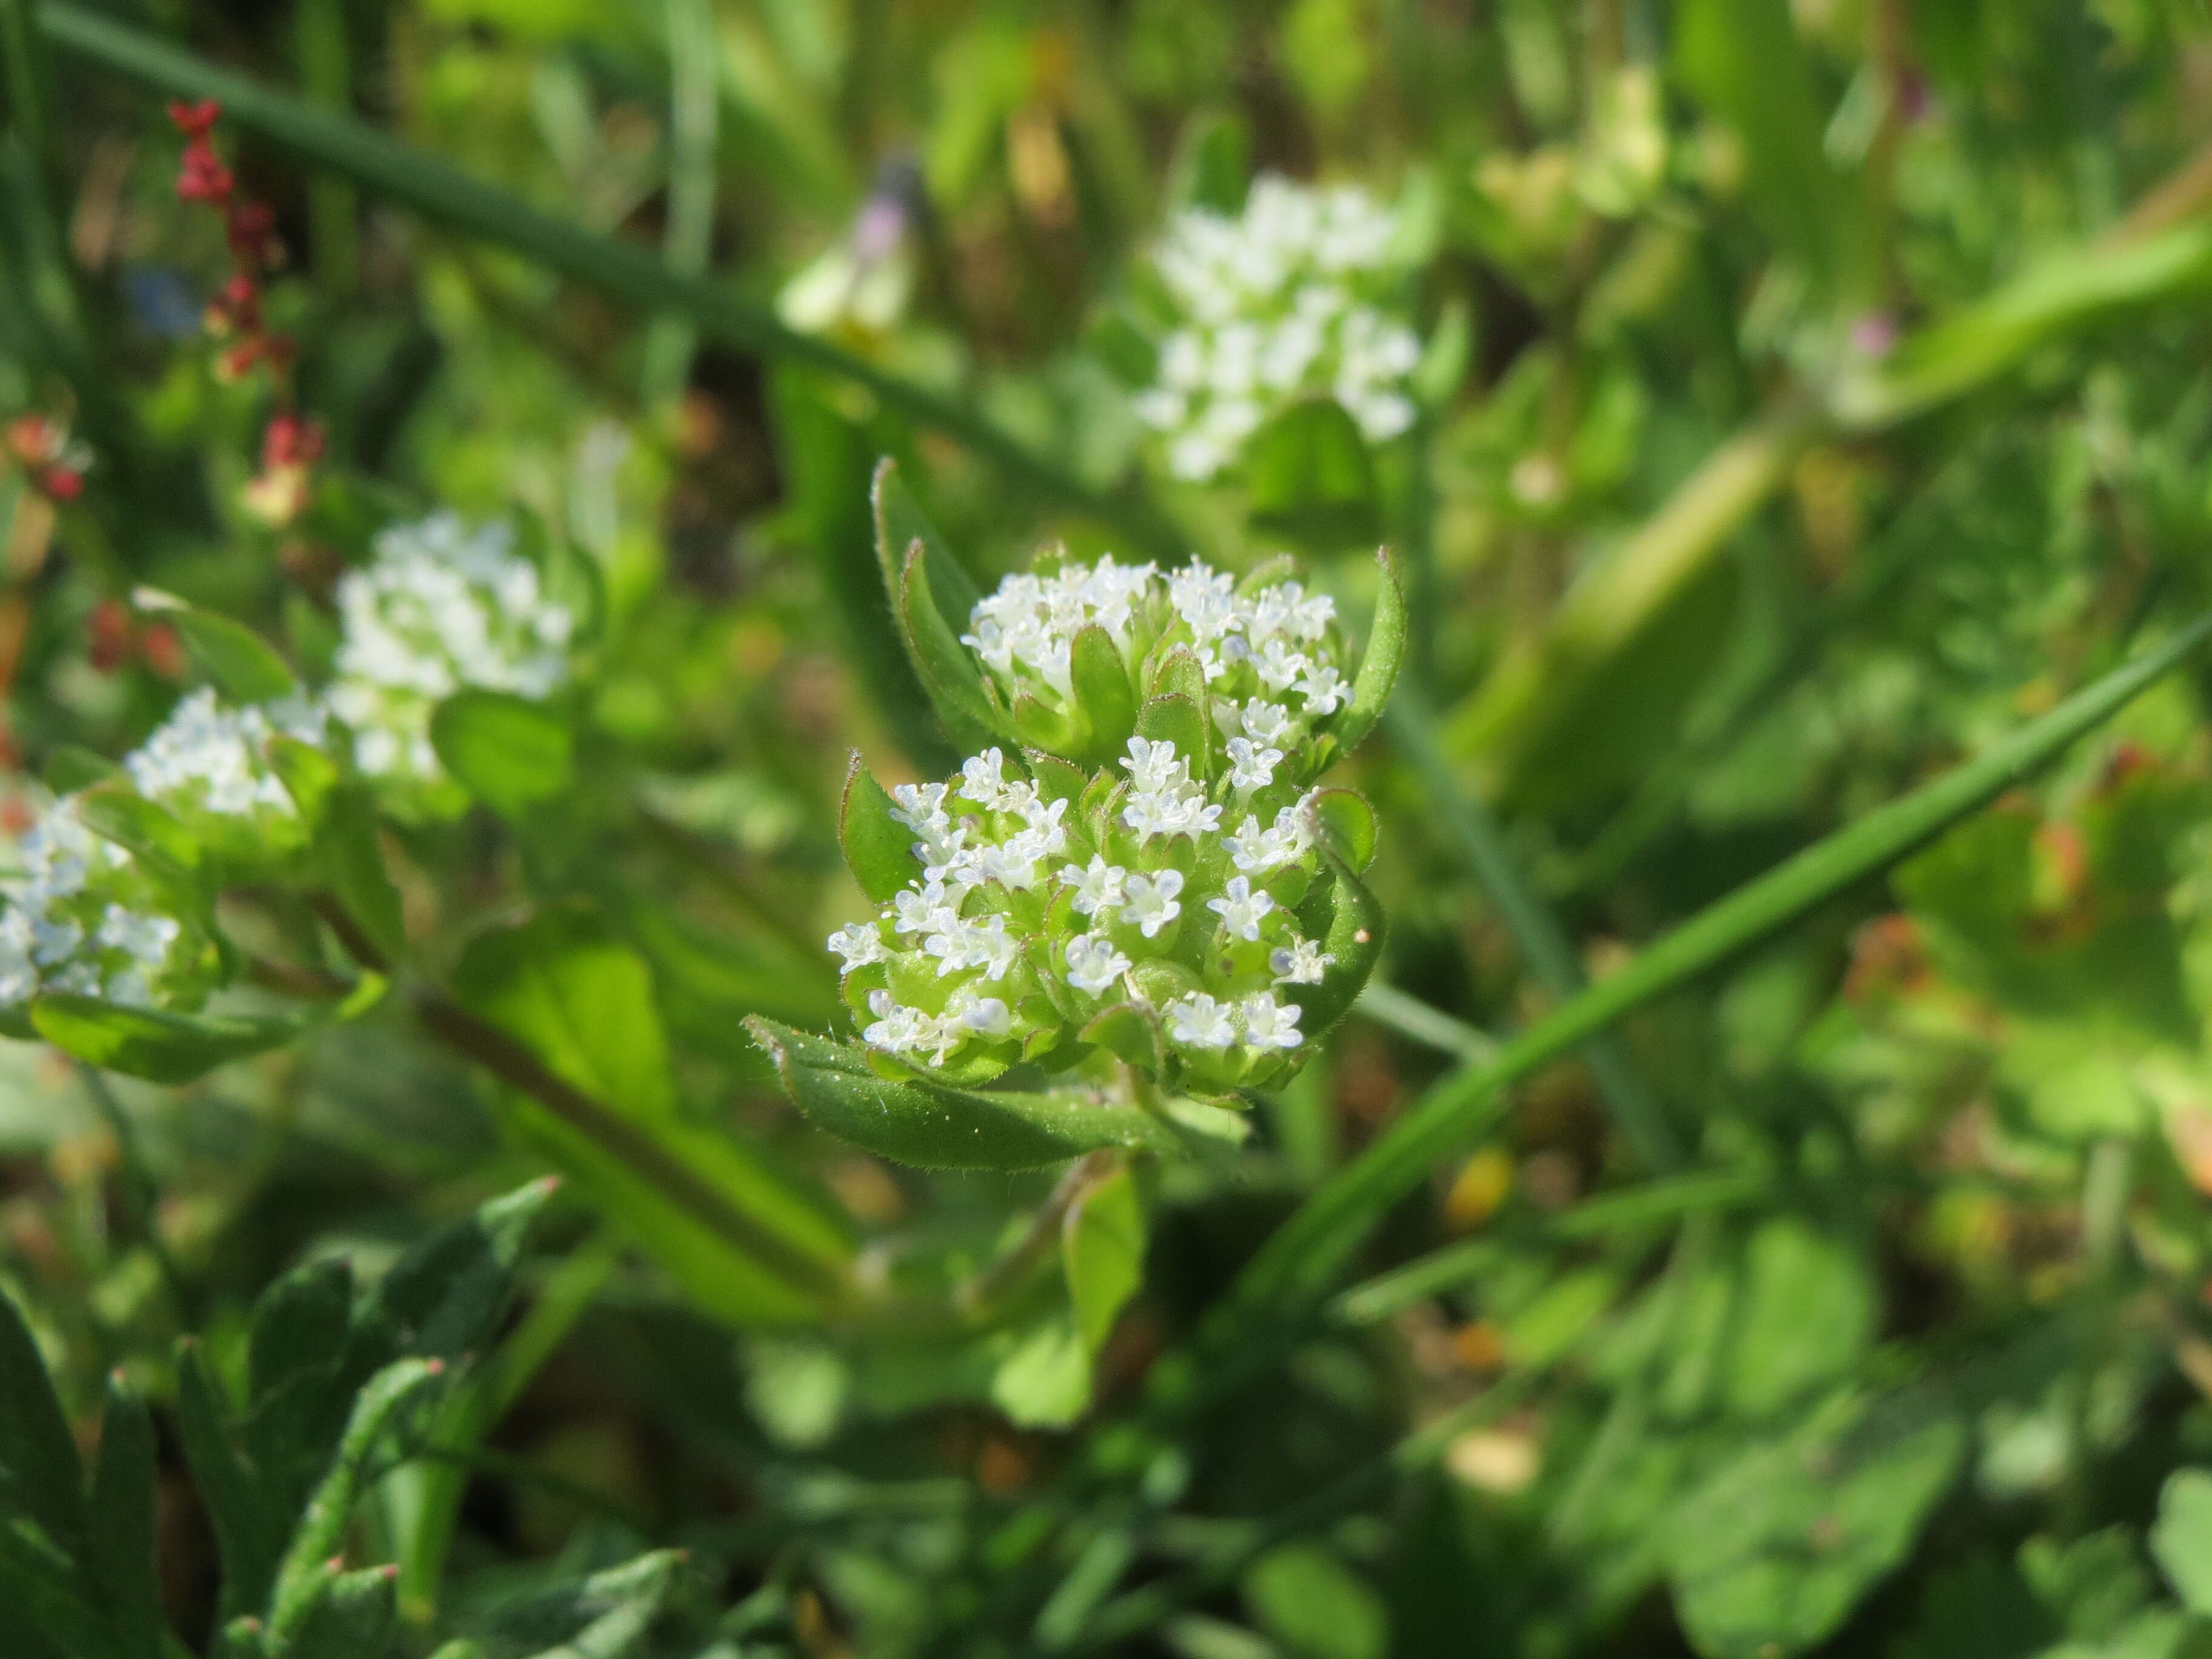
[{"x": 1630, "y": 1078}]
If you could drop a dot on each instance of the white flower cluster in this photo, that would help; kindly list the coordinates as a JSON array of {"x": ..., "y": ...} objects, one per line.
[
  {"x": 1289, "y": 298},
  {"x": 441, "y": 608},
  {"x": 1270, "y": 658},
  {"x": 210, "y": 765},
  {"x": 81, "y": 918},
  {"x": 1032, "y": 914}
]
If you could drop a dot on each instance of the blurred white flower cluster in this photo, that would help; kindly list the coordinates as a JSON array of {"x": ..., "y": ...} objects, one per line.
[
  {"x": 212, "y": 767},
  {"x": 1153, "y": 906},
  {"x": 1270, "y": 658},
  {"x": 84, "y": 917},
  {"x": 440, "y": 609},
  {"x": 1289, "y": 298}
]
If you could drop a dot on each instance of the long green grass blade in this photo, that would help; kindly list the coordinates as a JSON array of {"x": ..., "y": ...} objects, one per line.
[
  {"x": 1480, "y": 844},
  {"x": 1303, "y": 1255},
  {"x": 403, "y": 174}
]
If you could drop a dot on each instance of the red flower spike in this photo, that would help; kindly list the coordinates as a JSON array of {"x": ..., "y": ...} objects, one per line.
[{"x": 195, "y": 121}]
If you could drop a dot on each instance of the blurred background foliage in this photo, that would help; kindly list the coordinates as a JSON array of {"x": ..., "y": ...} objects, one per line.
[{"x": 1814, "y": 393}]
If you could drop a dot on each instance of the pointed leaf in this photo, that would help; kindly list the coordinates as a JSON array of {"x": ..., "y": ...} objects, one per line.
[
  {"x": 1182, "y": 723},
  {"x": 878, "y": 849},
  {"x": 900, "y": 523},
  {"x": 947, "y": 670},
  {"x": 243, "y": 666},
  {"x": 355, "y": 1616},
  {"x": 304, "y": 1579},
  {"x": 445, "y": 1295},
  {"x": 1105, "y": 693},
  {"x": 71, "y": 767},
  {"x": 1344, "y": 818},
  {"x": 165, "y": 1047},
  {"x": 142, "y": 827},
  {"x": 1378, "y": 668},
  {"x": 296, "y": 1391},
  {"x": 119, "y": 1543},
  {"x": 352, "y": 859},
  {"x": 309, "y": 774},
  {"x": 510, "y": 753},
  {"x": 1131, "y": 1031},
  {"x": 1102, "y": 1253},
  {"x": 1045, "y": 1382},
  {"x": 934, "y": 1126},
  {"x": 250, "y": 1525},
  {"x": 1347, "y": 919},
  {"x": 40, "y": 1474},
  {"x": 1311, "y": 479}
]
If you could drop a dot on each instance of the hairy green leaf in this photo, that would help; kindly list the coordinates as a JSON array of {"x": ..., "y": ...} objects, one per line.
[{"x": 935, "y": 1126}]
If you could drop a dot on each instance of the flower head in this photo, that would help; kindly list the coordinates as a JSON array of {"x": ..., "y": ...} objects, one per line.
[
  {"x": 440, "y": 608},
  {"x": 1292, "y": 297}
]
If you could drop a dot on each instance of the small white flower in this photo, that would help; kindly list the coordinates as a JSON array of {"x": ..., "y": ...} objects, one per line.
[
  {"x": 924, "y": 909},
  {"x": 1240, "y": 908},
  {"x": 1324, "y": 689},
  {"x": 1097, "y": 885},
  {"x": 1266, "y": 722},
  {"x": 1277, "y": 665},
  {"x": 985, "y": 783},
  {"x": 1197, "y": 1021},
  {"x": 897, "y": 1028},
  {"x": 1269, "y": 1024},
  {"x": 1154, "y": 766},
  {"x": 921, "y": 806},
  {"x": 859, "y": 943},
  {"x": 992, "y": 948},
  {"x": 987, "y": 1016},
  {"x": 1093, "y": 963},
  {"x": 1302, "y": 961},
  {"x": 1251, "y": 767},
  {"x": 1012, "y": 863},
  {"x": 1152, "y": 903},
  {"x": 1152, "y": 813}
]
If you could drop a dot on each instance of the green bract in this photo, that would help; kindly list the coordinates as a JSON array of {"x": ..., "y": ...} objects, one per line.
[{"x": 1149, "y": 886}]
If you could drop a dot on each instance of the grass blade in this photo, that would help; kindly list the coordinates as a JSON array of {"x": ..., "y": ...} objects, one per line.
[
  {"x": 1544, "y": 945},
  {"x": 1304, "y": 1253}
]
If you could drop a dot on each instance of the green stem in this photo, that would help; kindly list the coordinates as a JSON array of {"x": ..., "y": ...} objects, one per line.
[
  {"x": 515, "y": 1064},
  {"x": 475, "y": 1408},
  {"x": 381, "y": 164},
  {"x": 1481, "y": 845},
  {"x": 141, "y": 1196},
  {"x": 693, "y": 106},
  {"x": 1432, "y": 1028}
]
